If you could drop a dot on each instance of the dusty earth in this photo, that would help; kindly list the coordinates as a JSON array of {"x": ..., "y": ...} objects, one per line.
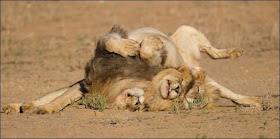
[{"x": 45, "y": 45}]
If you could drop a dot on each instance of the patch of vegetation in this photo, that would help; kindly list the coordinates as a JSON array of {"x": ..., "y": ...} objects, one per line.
[
  {"x": 177, "y": 106},
  {"x": 197, "y": 103},
  {"x": 96, "y": 101},
  {"x": 265, "y": 123}
]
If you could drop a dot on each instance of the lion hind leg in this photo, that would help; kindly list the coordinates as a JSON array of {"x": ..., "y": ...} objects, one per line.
[
  {"x": 237, "y": 98},
  {"x": 215, "y": 53},
  {"x": 190, "y": 42},
  {"x": 73, "y": 94},
  {"x": 30, "y": 106},
  {"x": 250, "y": 101}
]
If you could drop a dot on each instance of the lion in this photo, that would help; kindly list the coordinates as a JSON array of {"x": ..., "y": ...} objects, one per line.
[
  {"x": 183, "y": 48},
  {"x": 129, "y": 83},
  {"x": 180, "y": 49}
]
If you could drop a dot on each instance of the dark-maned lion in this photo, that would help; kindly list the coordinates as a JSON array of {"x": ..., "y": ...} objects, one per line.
[
  {"x": 129, "y": 83},
  {"x": 159, "y": 52}
]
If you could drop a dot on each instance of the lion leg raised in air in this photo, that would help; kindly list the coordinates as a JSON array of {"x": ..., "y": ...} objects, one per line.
[
  {"x": 124, "y": 47},
  {"x": 215, "y": 53},
  {"x": 190, "y": 42},
  {"x": 116, "y": 41},
  {"x": 73, "y": 94},
  {"x": 151, "y": 50}
]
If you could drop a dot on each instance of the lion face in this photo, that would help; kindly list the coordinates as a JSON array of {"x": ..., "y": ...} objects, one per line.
[
  {"x": 131, "y": 99},
  {"x": 134, "y": 99},
  {"x": 198, "y": 89},
  {"x": 171, "y": 87},
  {"x": 194, "y": 92},
  {"x": 173, "y": 83}
]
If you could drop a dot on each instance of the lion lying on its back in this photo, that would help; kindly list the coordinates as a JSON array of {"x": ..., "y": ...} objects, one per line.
[
  {"x": 129, "y": 83},
  {"x": 145, "y": 70},
  {"x": 180, "y": 49},
  {"x": 121, "y": 79}
]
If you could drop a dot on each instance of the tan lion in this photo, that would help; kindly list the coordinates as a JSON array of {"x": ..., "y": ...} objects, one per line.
[
  {"x": 183, "y": 48},
  {"x": 158, "y": 51},
  {"x": 129, "y": 83}
]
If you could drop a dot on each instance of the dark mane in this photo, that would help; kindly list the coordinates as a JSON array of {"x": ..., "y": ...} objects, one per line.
[{"x": 106, "y": 66}]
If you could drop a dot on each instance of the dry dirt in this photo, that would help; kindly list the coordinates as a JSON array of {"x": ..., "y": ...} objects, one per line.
[{"x": 45, "y": 45}]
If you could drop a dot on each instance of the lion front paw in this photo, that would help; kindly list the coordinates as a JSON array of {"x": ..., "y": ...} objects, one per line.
[
  {"x": 129, "y": 48},
  {"x": 123, "y": 47},
  {"x": 154, "y": 42},
  {"x": 149, "y": 46},
  {"x": 235, "y": 52}
]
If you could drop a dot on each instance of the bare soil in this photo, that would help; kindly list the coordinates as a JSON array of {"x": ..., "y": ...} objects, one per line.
[{"x": 45, "y": 45}]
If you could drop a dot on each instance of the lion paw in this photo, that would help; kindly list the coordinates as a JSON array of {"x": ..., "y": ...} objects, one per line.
[
  {"x": 129, "y": 48},
  {"x": 123, "y": 47},
  {"x": 251, "y": 101},
  {"x": 256, "y": 102},
  {"x": 42, "y": 110},
  {"x": 149, "y": 46},
  {"x": 27, "y": 107},
  {"x": 154, "y": 42},
  {"x": 235, "y": 52},
  {"x": 11, "y": 108}
]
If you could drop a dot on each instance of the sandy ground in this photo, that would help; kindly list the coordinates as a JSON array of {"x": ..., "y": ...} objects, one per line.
[{"x": 45, "y": 45}]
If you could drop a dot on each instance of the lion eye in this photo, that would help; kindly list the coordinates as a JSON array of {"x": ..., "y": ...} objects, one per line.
[
  {"x": 128, "y": 95},
  {"x": 197, "y": 88},
  {"x": 168, "y": 82}
]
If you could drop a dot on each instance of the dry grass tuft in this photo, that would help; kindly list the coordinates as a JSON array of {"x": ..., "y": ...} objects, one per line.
[{"x": 96, "y": 101}]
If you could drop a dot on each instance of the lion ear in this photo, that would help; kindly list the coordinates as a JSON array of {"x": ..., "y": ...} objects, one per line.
[
  {"x": 185, "y": 70},
  {"x": 199, "y": 76}
]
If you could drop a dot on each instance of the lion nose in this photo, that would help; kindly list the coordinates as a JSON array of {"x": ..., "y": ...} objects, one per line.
[
  {"x": 138, "y": 102},
  {"x": 177, "y": 89}
]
